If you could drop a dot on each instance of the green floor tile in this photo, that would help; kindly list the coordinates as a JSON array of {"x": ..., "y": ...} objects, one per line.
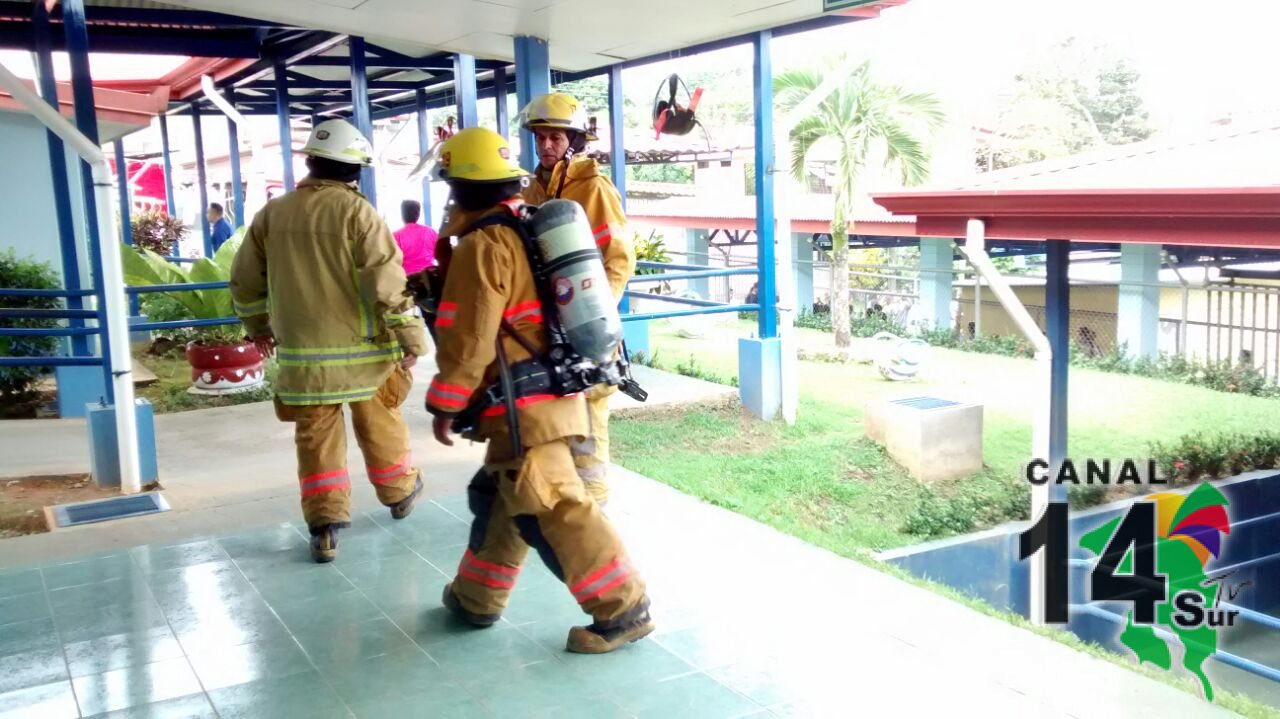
[
  {"x": 109, "y": 620},
  {"x": 118, "y": 651},
  {"x": 346, "y": 646},
  {"x": 262, "y": 542},
  {"x": 428, "y": 623},
  {"x": 48, "y": 701},
  {"x": 381, "y": 547},
  {"x": 31, "y": 669},
  {"x": 27, "y": 636},
  {"x": 246, "y": 663},
  {"x": 134, "y": 686},
  {"x": 328, "y": 610},
  {"x": 535, "y": 688},
  {"x": 302, "y": 587},
  {"x": 551, "y": 604},
  {"x": 394, "y": 707},
  {"x": 423, "y": 586},
  {"x": 642, "y": 661},
  {"x": 288, "y": 563},
  {"x": 756, "y": 681},
  {"x": 175, "y": 589},
  {"x": 196, "y": 706},
  {"x": 693, "y": 695},
  {"x": 218, "y": 631},
  {"x": 407, "y": 672},
  {"x": 306, "y": 696},
  {"x": 24, "y": 607},
  {"x": 159, "y": 558},
  {"x": 707, "y": 648},
  {"x": 404, "y": 568},
  {"x": 130, "y": 589},
  {"x": 88, "y": 571},
  {"x": 486, "y": 651},
  {"x": 23, "y": 581}
]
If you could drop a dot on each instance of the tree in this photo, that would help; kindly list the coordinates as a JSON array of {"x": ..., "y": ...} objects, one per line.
[
  {"x": 1073, "y": 98},
  {"x": 864, "y": 119}
]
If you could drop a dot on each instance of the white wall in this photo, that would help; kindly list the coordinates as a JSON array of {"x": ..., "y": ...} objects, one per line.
[{"x": 28, "y": 219}]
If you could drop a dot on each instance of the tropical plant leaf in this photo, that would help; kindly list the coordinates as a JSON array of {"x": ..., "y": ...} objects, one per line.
[
  {"x": 226, "y": 254},
  {"x": 144, "y": 267},
  {"x": 215, "y": 304}
]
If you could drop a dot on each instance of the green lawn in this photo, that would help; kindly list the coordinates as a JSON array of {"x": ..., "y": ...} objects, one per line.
[
  {"x": 169, "y": 393},
  {"x": 823, "y": 481}
]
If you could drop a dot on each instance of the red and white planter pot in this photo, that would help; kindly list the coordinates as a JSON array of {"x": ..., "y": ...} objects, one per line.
[{"x": 225, "y": 368}]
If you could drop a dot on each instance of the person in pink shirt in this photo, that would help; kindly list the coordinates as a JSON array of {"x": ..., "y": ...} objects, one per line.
[{"x": 417, "y": 241}]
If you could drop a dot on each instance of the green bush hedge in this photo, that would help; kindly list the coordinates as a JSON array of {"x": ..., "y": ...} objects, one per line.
[{"x": 18, "y": 396}]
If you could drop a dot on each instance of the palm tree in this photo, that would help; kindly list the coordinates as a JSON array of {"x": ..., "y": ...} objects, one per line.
[{"x": 864, "y": 119}]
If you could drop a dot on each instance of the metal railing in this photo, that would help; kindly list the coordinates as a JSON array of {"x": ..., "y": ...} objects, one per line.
[{"x": 684, "y": 272}]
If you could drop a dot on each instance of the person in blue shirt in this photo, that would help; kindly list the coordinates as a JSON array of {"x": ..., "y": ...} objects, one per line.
[{"x": 220, "y": 230}]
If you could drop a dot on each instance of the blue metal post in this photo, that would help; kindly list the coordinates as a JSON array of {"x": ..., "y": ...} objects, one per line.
[
  {"x": 233, "y": 147},
  {"x": 761, "y": 46},
  {"x": 122, "y": 189},
  {"x": 282, "y": 118},
  {"x": 1058, "y": 328},
  {"x": 168, "y": 168},
  {"x": 361, "y": 113},
  {"x": 58, "y": 170},
  {"x": 500, "y": 100},
  {"x": 464, "y": 78},
  {"x": 201, "y": 180},
  {"x": 533, "y": 78},
  {"x": 617, "y": 127},
  {"x": 424, "y": 146},
  {"x": 617, "y": 148},
  {"x": 77, "y": 36}
]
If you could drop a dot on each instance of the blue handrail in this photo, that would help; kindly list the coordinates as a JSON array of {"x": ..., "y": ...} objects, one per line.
[
  {"x": 52, "y": 314},
  {"x": 183, "y": 287},
  {"x": 686, "y": 313},
  {"x": 183, "y": 324},
  {"x": 47, "y": 331},
  {"x": 671, "y": 276},
  {"x": 50, "y": 361},
  {"x": 673, "y": 298},
  {"x": 26, "y": 292}
]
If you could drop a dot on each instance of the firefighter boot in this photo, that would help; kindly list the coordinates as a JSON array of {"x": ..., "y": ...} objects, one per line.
[
  {"x": 604, "y": 637},
  {"x": 324, "y": 543},
  {"x": 450, "y": 601},
  {"x": 404, "y": 507}
]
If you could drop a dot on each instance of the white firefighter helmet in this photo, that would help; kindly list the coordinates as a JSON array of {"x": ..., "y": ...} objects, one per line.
[{"x": 340, "y": 141}]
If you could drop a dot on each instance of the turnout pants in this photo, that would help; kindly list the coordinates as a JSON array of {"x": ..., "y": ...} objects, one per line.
[
  {"x": 541, "y": 502},
  {"x": 321, "y": 438},
  {"x": 591, "y": 458}
]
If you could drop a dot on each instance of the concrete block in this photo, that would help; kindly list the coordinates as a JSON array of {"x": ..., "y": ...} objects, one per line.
[
  {"x": 760, "y": 376},
  {"x": 78, "y": 387},
  {"x": 104, "y": 459},
  {"x": 935, "y": 439}
]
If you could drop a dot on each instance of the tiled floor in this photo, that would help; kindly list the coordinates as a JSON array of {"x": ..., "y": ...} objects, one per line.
[{"x": 751, "y": 623}]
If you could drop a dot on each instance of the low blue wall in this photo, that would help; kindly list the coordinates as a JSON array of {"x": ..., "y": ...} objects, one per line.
[{"x": 985, "y": 565}]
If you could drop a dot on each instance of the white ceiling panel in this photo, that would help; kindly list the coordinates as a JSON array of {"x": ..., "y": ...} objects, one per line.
[{"x": 581, "y": 32}]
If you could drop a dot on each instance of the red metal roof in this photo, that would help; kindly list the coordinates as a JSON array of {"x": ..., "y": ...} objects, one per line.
[{"x": 1212, "y": 217}]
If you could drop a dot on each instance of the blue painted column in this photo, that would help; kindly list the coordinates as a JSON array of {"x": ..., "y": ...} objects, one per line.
[
  {"x": 360, "y": 113},
  {"x": 122, "y": 192},
  {"x": 464, "y": 82},
  {"x": 533, "y": 78},
  {"x": 760, "y": 359},
  {"x": 1058, "y": 329},
  {"x": 802, "y": 262},
  {"x": 617, "y": 134},
  {"x": 233, "y": 150},
  {"x": 1138, "y": 314},
  {"x": 168, "y": 168},
  {"x": 282, "y": 122},
  {"x": 424, "y": 146},
  {"x": 500, "y": 102},
  {"x": 202, "y": 182},
  {"x": 77, "y": 36},
  {"x": 69, "y": 249},
  {"x": 697, "y": 253},
  {"x": 763, "y": 77},
  {"x": 937, "y": 255}
]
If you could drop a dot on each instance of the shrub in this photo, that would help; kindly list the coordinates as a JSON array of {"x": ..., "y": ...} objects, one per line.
[
  {"x": 17, "y": 384},
  {"x": 145, "y": 267},
  {"x": 1192, "y": 457},
  {"x": 956, "y": 507},
  {"x": 157, "y": 231}
]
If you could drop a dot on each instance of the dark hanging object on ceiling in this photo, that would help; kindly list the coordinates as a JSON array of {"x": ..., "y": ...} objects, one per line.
[{"x": 669, "y": 116}]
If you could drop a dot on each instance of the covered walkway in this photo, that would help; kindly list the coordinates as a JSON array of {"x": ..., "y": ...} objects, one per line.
[{"x": 218, "y": 611}]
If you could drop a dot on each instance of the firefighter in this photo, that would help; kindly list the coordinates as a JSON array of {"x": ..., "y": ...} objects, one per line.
[
  {"x": 318, "y": 281},
  {"x": 490, "y": 321},
  {"x": 562, "y": 130}
]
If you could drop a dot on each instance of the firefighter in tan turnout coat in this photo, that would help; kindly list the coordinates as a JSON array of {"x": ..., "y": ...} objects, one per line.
[
  {"x": 318, "y": 280},
  {"x": 490, "y": 313}
]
